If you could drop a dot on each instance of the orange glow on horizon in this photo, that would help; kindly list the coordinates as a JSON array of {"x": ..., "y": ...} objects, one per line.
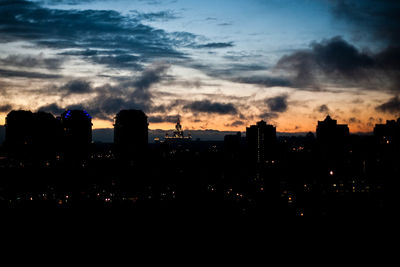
[{"x": 284, "y": 124}]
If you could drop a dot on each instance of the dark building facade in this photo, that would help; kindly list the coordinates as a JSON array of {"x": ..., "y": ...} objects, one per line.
[
  {"x": 387, "y": 141},
  {"x": 130, "y": 134},
  {"x": 329, "y": 132},
  {"x": 389, "y": 133},
  {"x": 178, "y": 140},
  {"x": 18, "y": 133},
  {"x": 76, "y": 128},
  {"x": 332, "y": 138},
  {"x": 261, "y": 142},
  {"x": 232, "y": 145},
  {"x": 333, "y": 149},
  {"x": 46, "y": 135},
  {"x": 31, "y": 135}
]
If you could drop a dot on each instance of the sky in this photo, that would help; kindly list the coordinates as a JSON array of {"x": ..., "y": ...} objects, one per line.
[{"x": 218, "y": 64}]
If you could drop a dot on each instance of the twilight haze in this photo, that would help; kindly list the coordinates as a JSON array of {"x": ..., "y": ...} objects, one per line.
[{"x": 218, "y": 64}]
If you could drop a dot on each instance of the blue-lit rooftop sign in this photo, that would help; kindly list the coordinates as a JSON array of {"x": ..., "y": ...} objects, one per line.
[
  {"x": 68, "y": 114},
  {"x": 87, "y": 114}
]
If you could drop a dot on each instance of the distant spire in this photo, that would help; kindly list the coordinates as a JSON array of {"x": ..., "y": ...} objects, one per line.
[{"x": 328, "y": 118}]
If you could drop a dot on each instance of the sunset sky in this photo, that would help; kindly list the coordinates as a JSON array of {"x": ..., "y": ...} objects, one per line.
[{"x": 219, "y": 64}]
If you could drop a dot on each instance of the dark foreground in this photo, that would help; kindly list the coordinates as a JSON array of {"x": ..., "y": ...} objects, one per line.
[{"x": 205, "y": 180}]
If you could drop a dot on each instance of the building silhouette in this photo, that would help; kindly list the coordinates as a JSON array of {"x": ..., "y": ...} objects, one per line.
[
  {"x": 32, "y": 135},
  {"x": 76, "y": 136},
  {"x": 261, "y": 142},
  {"x": 130, "y": 134},
  {"x": 389, "y": 133},
  {"x": 387, "y": 142},
  {"x": 178, "y": 140},
  {"x": 19, "y": 133},
  {"x": 333, "y": 149},
  {"x": 2, "y": 134},
  {"x": 178, "y": 134},
  {"x": 232, "y": 146},
  {"x": 46, "y": 135},
  {"x": 329, "y": 132},
  {"x": 332, "y": 138},
  {"x": 359, "y": 179}
]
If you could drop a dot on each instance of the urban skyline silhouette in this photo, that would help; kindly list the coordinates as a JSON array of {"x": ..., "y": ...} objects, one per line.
[{"x": 52, "y": 163}]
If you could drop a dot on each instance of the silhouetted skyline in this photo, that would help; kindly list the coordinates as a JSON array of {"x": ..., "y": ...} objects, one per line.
[{"x": 51, "y": 162}]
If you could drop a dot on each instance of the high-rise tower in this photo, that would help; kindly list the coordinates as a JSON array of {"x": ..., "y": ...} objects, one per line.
[{"x": 130, "y": 134}]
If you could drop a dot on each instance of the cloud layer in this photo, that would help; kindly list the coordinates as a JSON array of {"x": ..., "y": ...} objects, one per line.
[
  {"x": 109, "y": 99},
  {"x": 335, "y": 61}
]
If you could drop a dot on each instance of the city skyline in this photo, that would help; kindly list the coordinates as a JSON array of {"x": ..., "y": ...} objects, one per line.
[
  {"x": 332, "y": 173},
  {"x": 218, "y": 65},
  {"x": 155, "y": 136}
]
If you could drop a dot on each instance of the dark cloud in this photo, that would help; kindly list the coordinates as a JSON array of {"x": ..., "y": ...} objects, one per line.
[
  {"x": 236, "y": 123},
  {"x": 65, "y": 2},
  {"x": 29, "y": 61},
  {"x": 109, "y": 99},
  {"x": 52, "y": 108},
  {"x": 151, "y": 75},
  {"x": 336, "y": 55},
  {"x": 207, "y": 106},
  {"x": 5, "y": 108},
  {"x": 100, "y": 36},
  {"x": 391, "y": 106},
  {"x": 82, "y": 52},
  {"x": 113, "y": 58},
  {"x": 239, "y": 72},
  {"x": 27, "y": 74},
  {"x": 232, "y": 71},
  {"x": 159, "y": 119},
  {"x": 76, "y": 87},
  {"x": 225, "y": 24},
  {"x": 389, "y": 59},
  {"x": 156, "y": 16},
  {"x": 278, "y": 103},
  {"x": 336, "y": 61},
  {"x": 117, "y": 61},
  {"x": 194, "y": 83},
  {"x": 354, "y": 120},
  {"x": 268, "y": 116},
  {"x": 264, "y": 81},
  {"x": 215, "y": 45},
  {"x": 376, "y": 19},
  {"x": 323, "y": 109},
  {"x": 155, "y": 2},
  {"x": 87, "y": 30}
]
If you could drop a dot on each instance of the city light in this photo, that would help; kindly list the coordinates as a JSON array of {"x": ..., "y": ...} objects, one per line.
[{"x": 233, "y": 175}]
